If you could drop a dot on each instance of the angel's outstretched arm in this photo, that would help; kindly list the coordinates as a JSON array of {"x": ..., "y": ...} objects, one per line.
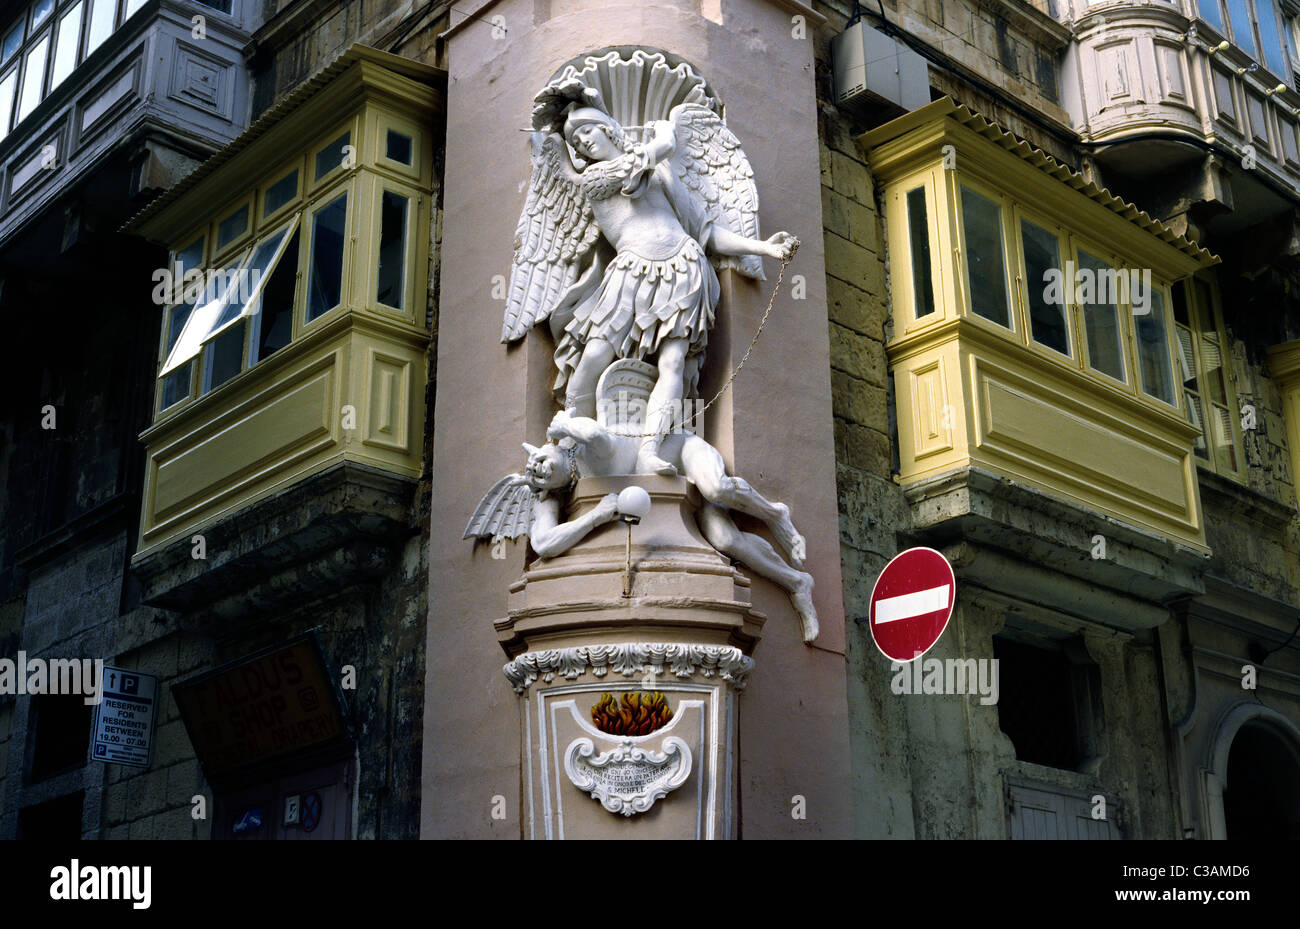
[
  {"x": 550, "y": 537},
  {"x": 725, "y": 242}
]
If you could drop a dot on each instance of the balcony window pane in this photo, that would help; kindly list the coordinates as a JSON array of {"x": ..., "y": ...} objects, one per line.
[
  {"x": 203, "y": 321},
  {"x": 392, "y": 250},
  {"x": 222, "y": 6},
  {"x": 1153, "y": 350},
  {"x": 982, "y": 223},
  {"x": 1224, "y": 447},
  {"x": 65, "y": 47},
  {"x": 225, "y": 357},
  {"x": 281, "y": 192},
  {"x": 1271, "y": 38},
  {"x": 918, "y": 225},
  {"x": 232, "y": 227},
  {"x": 132, "y": 6},
  {"x": 7, "y": 87},
  {"x": 1242, "y": 37},
  {"x": 325, "y": 271},
  {"x": 331, "y": 156},
  {"x": 33, "y": 75},
  {"x": 1211, "y": 13},
  {"x": 243, "y": 295},
  {"x": 1186, "y": 358},
  {"x": 274, "y": 319},
  {"x": 1194, "y": 416},
  {"x": 1047, "y": 322},
  {"x": 1101, "y": 323},
  {"x": 1212, "y": 358},
  {"x": 398, "y": 147},
  {"x": 13, "y": 41},
  {"x": 41, "y": 11},
  {"x": 101, "y": 23},
  {"x": 191, "y": 256},
  {"x": 1182, "y": 313},
  {"x": 176, "y": 386}
]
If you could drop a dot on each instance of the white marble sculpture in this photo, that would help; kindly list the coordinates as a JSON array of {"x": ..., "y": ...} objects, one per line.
[
  {"x": 615, "y": 253},
  {"x": 533, "y": 503},
  {"x": 638, "y": 192}
]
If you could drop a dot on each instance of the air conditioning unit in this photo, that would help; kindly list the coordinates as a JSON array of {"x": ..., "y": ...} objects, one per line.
[{"x": 872, "y": 69}]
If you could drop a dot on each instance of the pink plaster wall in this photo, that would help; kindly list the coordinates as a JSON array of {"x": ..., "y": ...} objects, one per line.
[{"x": 774, "y": 428}]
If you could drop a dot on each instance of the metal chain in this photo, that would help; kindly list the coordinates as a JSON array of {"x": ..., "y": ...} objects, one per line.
[{"x": 743, "y": 358}]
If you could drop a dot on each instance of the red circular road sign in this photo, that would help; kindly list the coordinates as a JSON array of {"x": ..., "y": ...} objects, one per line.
[{"x": 911, "y": 603}]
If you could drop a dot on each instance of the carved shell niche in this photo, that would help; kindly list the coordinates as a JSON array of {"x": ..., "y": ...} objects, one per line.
[{"x": 637, "y": 85}]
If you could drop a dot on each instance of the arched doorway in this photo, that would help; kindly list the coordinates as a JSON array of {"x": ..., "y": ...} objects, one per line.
[
  {"x": 1253, "y": 779},
  {"x": 1262, "y": 797}
]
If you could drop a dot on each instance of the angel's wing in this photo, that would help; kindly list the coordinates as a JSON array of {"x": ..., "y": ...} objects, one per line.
[
  {"x": 505, "y": 512},
  {"x": 710, "y": 163},
  {"x": 555, "y": 231}
]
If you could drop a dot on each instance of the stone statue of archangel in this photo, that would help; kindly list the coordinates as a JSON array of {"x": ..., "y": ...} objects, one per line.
[
  {"x": 648, "y": 291},
  {"x": 614, "y": 253}
]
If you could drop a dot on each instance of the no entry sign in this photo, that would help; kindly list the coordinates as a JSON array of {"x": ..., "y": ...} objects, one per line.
[{"x": 911, "y": 603}]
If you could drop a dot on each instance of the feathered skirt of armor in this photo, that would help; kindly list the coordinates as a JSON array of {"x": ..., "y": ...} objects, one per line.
[{"x": 641, "y": 302}]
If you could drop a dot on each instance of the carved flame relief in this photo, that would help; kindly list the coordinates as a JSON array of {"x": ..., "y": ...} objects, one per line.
[{"x": 640, "y": 713}]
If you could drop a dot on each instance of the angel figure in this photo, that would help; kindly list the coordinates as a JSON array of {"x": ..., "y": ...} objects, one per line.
[
  {"x": 648, "y": 291},
  {"x": 532, "y": 503}
]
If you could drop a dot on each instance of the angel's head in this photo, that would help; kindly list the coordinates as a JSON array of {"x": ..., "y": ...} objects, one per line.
[
  {"x": 594, "y": 135},
  {"x": 549, "y": 467}
]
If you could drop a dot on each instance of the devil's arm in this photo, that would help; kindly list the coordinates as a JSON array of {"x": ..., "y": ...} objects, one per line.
[{"x": 550, "y": 537}]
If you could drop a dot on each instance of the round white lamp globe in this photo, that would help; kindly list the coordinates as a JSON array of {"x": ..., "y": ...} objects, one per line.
[{"x": 633, "y": 503}]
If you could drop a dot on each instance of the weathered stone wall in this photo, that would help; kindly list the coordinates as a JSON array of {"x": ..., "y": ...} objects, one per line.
[
  {"x": 871, "y": 504},
  {"x": 1000, "y": 57}
]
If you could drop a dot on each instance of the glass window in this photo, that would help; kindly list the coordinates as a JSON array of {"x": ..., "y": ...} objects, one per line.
[
  {"x": 392, "y": 250},
  {"x": 325, "y": 268},
  {"x": 982, "y": 224},
  {"x": 231, "y": 294},
  {"x": 13, "y": 41},
  {"x": 33, "y": 75},
  {"x": 398, "y": 147},
  {"x": 101, "y": 23},
  {"x": 273, "y": 317},
  {"x": 331, "y": 156},
  {"x": 133, "y": 6},
  {"x": 1047, "y": 322},
  {"x": 1101, "y": 322},
  {"x": 250, "y": 283},
  {"x": 65, "y": 47},
  {"x": 222, "y": 6},
  {"x": 1202, "y": 368},
  {"x": 919, "y": 237},
  {"x": 1266, "y": 15},
  {"x": 1242, "y": 35},
  {"x": 232, "y": 227},
  {"x": 176, "y": 385},
  {"x": 224, "y": 358},
  {"x": 1211, "y": 13},
  {"x": 281, "y": 192},
  {"x": 203, "y": 321},
  {"x": 41, "y": 11},
  {"x": 1153, "y": 351},
  {"x": 7, "y": 87}
]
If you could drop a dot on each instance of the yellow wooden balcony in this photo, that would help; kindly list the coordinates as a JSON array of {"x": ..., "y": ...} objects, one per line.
[
  {"x": 294, "y": 334},
  {"x": 1007, "y": 355}
]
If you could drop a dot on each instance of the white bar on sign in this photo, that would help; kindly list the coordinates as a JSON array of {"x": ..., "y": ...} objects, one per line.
[{"x": 917, "y": 603}]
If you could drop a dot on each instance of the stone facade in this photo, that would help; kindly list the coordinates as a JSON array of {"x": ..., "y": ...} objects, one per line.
[{"x": 1155, "y": 639}]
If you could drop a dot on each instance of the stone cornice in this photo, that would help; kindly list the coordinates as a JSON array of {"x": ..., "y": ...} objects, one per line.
[{"x": 630, "y": 658}]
